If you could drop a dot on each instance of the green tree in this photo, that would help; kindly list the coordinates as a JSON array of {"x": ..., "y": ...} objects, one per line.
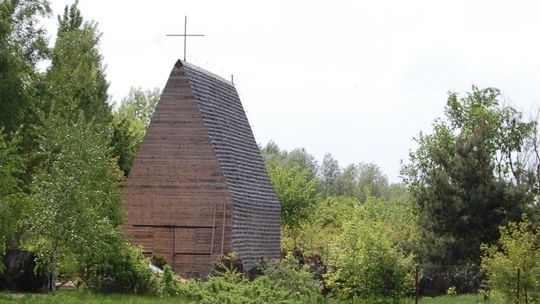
[
  {"x": 372, "y": 181},
  {"x": 130, "y": 122},
  {"x": 76, "y": 78},
  {"x": 324, "y": 224},
  {"x": 518, "y": 247},
  {"x": 11, "y": 168},
  {"x": 363, "y": 180},
  {"x": 299, "y": 157},
  {"x": 367, "y": 266},
  {"x": 76, "y": 196},
  {"x": 330, "y": 175},
  {"x": 365, "y": 258},
  {"x": 294, "y": 177},
  {"x": 295, "y": 191},
  {"x": 464, "y": 177},
  {"x": 22, "y": 46}
]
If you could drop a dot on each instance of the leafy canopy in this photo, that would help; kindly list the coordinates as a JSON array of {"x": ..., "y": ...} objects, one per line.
[{"x": 466, "y": 178}]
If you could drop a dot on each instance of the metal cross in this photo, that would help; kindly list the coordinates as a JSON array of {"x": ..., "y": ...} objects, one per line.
[{"x": 185, "y": 35}]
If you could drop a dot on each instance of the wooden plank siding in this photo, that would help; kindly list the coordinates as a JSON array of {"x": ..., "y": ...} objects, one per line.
[
  {"x": 198, "y": 185},
  {"x": 176, "y": 185}
]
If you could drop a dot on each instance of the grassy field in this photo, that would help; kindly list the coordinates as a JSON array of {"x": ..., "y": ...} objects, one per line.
[
  {"x": 462, "y": 299},
  {"x": 81, "y": 297},
  {"x": 458, "y": 299}
]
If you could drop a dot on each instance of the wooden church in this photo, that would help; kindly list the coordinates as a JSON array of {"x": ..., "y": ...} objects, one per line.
[{"x": 198, "y": 186}]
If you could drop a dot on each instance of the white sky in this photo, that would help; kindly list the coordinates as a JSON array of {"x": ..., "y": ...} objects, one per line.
[{"x": 358, "y": 79}]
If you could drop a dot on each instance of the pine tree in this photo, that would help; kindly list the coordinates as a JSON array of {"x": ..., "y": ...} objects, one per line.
[{"x": 461, "y": 180}]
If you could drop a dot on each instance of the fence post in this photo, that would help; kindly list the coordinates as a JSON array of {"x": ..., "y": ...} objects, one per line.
[
  {"x": 517, "y": 284},
  {"x": 416, "y": 285}
]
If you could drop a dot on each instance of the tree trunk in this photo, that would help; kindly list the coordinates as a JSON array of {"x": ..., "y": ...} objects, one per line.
[{"x": 54, "y": 273}]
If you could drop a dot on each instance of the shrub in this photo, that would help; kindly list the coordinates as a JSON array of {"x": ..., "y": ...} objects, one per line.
[
  {"x": 288, "y": 275},
  {"x": 278, "y": 282},
  {"x": 121, "y": 270},
  {"x": 518, "y": 247},
  {"x": 158, "y": 261},
  {"x": 228, "y": 264},
  {"x": 170, "y": 284},
  {"x": 365, "y": 264}
]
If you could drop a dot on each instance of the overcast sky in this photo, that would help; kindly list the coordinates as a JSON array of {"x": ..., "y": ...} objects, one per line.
[{"x": 358, "y": 79}]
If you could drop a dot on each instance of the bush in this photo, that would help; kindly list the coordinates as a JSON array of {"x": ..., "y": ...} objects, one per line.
[
  {"x": 278, "y": 282},
  {"x": 158, "y": 261},
  {"x": 121, "y": 270},
  {"x": 365, "y": 264},
  {"x": 170, "y": 284},
  {"x": 227, "y": 264},
  {"x": 518, "y": 247},
  {"x": 288, "y": 275}
]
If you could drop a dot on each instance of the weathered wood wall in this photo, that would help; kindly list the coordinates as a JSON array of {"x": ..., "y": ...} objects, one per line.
[
  {"x": 256, "y": 210},
  {"x": 177, "y": 200},
  {"x": 198, "y": 186}
]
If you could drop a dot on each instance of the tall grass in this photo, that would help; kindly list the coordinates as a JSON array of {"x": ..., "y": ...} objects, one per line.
[
  {"x": 72, "y": 297},
  {"x": 65, "y": 297}
]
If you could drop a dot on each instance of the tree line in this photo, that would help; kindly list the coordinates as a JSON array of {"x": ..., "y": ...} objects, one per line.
[
  {"x": 473, "y": 175},
  {"x": 469, "y": 187},
  {"x": 64, "y": 150}
]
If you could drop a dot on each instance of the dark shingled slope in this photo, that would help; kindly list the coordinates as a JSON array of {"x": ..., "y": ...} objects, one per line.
[{"x": 256, "y": 210}]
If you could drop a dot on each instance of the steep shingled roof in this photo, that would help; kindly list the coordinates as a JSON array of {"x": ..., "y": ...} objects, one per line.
[{"x": 256, "y": 210}]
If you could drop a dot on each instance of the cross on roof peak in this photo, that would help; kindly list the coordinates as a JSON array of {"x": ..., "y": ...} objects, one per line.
[{"x": 185, "y": 35}]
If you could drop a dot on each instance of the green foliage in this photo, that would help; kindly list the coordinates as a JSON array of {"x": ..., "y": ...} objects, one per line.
[
  {"x": 465, "y": 177},
  {"x": 295, "y": 191},
  {"x": 317, "y": 234},
  {"x": 330, "y": 173},
  {"x": 365, "y": 263},
  {"x": 68, "y": 297},
  {"x": 22, "y": 46},
  {"x": 78, "y": 297},
  {"x": 170, "y": 284},
  {"x": 140, "y": 105},
  {"x": 11, "y": 167},
  {"x": 299, "y": 157},
  {"x": 319, "y": 230},
  {"x": 130, "y": 122},
  {"x": 76, "y": 197},
  {"x": 122, "y": 268},
  {"x": 274, "y": 286},
  {"x": 518, "y": 247},
  {"x": 294, "y": 182},
  {"x": 282, "y": 272},
  {"x": 228, "y": 265},
  {"x": 370, "y": 182},
  {"x": 158, "y": 260},
  {"x": 76, "y": 78},
  {"x": 364, "y": 245},
  {"x": 360, "y": 180}
]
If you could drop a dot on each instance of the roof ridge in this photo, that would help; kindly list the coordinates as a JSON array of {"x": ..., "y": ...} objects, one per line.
[{"x": 201, "y": 70}]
